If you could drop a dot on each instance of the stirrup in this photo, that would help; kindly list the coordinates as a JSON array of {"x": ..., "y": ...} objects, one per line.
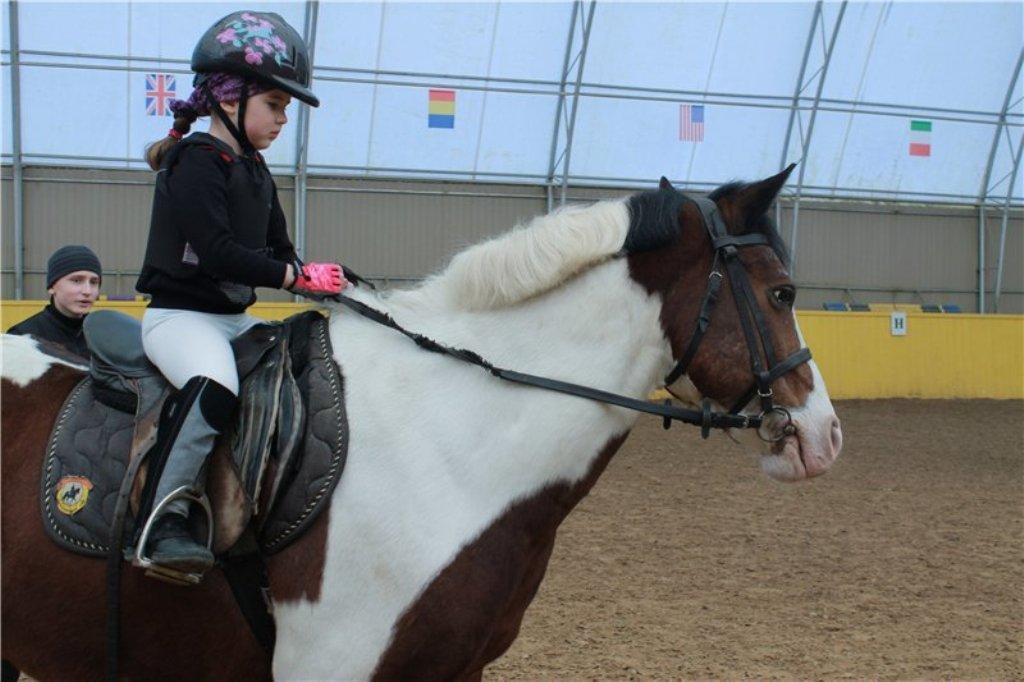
[{"x": 155, "y": 570}]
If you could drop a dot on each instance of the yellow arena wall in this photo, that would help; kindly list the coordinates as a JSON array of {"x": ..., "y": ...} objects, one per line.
[{"x": 941, "y": 355}]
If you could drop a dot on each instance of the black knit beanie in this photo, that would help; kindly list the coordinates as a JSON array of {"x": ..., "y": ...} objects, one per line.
[{"x": 68, "y": 259}]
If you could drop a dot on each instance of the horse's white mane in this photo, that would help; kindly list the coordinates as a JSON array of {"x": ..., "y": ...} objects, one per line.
[{"x": 532, "y": 258}]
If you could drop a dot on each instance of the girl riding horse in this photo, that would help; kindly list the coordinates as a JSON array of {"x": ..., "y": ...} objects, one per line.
[{"x": 217, "y": 231}]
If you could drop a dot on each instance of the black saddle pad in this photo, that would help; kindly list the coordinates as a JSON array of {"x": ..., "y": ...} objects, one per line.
[
  {"x": 325, "y": 443},
  {"x": 82, "y": 471},
  {"x": 87, "y": 454}
]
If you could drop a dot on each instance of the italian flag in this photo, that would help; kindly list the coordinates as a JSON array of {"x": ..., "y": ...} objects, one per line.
[{"x": 920, "y": 138}]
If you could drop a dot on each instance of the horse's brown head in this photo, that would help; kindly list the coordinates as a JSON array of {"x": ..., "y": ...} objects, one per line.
[{"x": 744, "y": 293}]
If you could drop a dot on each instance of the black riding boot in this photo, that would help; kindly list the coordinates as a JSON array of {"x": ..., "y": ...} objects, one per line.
[{"x": 202, "y": 411}]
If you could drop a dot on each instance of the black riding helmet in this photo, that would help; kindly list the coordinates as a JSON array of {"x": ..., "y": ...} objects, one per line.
[{"x": 258, "y": 46}]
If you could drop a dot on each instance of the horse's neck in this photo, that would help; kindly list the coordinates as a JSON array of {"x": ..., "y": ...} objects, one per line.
[
  {"x": 600, "y": 329},
  {"x": 441, "y": 453}
]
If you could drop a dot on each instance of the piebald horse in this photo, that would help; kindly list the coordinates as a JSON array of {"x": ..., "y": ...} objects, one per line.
[{"x": 439, "y": 533}]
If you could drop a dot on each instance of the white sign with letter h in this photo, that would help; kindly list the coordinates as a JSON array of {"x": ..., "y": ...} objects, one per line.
[{"x": 898, "y": 323}]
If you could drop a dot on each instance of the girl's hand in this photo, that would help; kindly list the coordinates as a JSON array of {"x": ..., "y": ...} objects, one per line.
[{"x": 320, "y": 279}]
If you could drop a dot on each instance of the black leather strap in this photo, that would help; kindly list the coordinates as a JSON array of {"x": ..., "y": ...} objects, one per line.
[
  {"x": 246, "y": 572},
  {"x": 707, "y": 306},
  {"x": 792, "y": 362},
  {"x": 114, "y": 559},
  {"x": 723, "y": 240},
  {"x": 752, "y": 320}
]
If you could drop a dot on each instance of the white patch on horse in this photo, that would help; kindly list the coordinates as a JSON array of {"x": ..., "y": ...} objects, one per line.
[
  {"x": 439, "y": 450},
  {"x": 820, "y": 435},
  {"x": 22, "y": 362}
]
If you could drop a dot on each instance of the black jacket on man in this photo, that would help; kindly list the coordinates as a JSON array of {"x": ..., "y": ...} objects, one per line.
[
  {"x": 52, "y": 325},
  {"x": 217, "y": 230}
]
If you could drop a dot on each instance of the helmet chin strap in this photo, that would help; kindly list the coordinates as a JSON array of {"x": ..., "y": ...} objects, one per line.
[{"x": 237, "y": 132}]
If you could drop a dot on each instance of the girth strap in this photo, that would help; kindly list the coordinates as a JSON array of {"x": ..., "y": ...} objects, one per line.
[{"x": 245, "y": 569}]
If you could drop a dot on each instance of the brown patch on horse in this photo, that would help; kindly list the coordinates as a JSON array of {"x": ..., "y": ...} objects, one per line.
[
  {"x": 477, "y": 603},
  {"x": 679, "y": 271},
  {"x": 52, "y": 603},
  {"x": 298, "y": 571}
]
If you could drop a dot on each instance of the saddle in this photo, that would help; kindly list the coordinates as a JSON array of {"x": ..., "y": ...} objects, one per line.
[{"x": 270, "y": 476}]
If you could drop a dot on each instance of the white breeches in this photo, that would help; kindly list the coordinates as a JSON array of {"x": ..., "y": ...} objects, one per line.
[{"x": 185, "y": 344}]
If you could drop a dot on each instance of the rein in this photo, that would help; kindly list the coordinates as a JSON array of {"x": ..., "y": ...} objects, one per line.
[
  {"x": 726, "y": 249},
  {"x": 704, "y": 418}
]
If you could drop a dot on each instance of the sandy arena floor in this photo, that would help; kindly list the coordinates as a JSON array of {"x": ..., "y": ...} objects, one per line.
[{"x": 685, "y": 562}]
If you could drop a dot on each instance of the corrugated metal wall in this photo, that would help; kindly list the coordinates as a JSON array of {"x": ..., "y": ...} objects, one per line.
[
  {"x": 406, "y": 229},
  {"x": 398, "y": 230},
  {"x": 926, "y": 255}
]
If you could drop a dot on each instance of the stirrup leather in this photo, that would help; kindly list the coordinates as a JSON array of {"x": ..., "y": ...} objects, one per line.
[{"x": 155, "y": 570}]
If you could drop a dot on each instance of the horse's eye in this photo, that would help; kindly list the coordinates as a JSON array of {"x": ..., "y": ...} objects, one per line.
[{"x": 784, "y": 296}]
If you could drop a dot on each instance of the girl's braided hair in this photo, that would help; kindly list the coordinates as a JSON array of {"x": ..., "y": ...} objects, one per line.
[{"x": 224, "y": 87}]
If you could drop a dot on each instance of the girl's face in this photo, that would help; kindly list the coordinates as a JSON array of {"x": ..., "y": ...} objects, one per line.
[
  {"x": 75, "y": 293},
  {"x": 265, "y": 116}
]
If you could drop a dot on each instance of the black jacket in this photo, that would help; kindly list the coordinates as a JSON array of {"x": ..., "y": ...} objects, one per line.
[
  {"x": 217, "y": 230},
  {"x": 52, "y": 325}
]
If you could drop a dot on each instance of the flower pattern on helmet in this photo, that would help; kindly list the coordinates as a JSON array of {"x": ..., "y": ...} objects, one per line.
[{"x": 257, "y": 36}]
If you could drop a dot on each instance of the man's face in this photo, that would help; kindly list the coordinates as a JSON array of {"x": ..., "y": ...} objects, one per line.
[{"x": 74, "y": 293}]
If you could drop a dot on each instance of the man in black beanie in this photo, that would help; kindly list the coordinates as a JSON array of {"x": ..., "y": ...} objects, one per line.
[{"x": 73, "y": 277}]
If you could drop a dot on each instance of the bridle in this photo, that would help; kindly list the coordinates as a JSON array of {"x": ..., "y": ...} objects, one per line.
[{"x": 755, "y": 331}]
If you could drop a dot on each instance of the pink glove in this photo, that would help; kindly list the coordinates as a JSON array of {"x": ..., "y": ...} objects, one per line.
[{"x": 320, "y": 279}]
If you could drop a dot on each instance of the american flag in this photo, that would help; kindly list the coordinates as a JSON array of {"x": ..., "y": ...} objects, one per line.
[
  {"x": 159, "y": 93},
  {"x": 691, "y": 122}
]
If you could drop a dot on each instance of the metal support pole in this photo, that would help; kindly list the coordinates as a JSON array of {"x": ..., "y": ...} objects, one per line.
[
  {"x": 981, "y": 258},
  {"x": 16, "y": 162},
  {"x": 983, "y": 190},
  {"x": 575, "y": 103},
  {"x": 795, "y": 102},
  {"x": 1003, "y": 224},
  {"x": 302, "y": 136},
  {"x": 794, "y": 105},
  {"x": 560, "y": 106},
  {"x": 810, "y": 132}
]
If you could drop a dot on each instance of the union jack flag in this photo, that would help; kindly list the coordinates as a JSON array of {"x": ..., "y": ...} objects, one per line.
[
  {"x": 691, "y": 122},
  {"x": 159, "y": 93}
]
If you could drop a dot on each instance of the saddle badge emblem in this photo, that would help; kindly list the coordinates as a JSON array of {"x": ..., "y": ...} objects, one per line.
[{"x": 72, "y": 493}]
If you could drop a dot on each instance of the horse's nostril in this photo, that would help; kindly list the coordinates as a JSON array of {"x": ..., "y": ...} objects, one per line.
[{"x": 837, "y": 436}]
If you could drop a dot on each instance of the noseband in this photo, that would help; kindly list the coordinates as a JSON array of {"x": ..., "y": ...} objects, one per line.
[{"x": 755, "y": 329}]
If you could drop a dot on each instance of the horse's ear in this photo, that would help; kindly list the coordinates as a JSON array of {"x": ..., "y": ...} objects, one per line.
[
  {"x": 756, "y": 198},
  {"x": 665, "y": 184}
]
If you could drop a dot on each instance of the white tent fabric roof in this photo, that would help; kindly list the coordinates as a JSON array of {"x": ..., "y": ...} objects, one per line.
[{"x": 949, "y": 65}]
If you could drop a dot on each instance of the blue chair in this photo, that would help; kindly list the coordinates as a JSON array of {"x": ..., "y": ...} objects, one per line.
[
  {"x": 835, "y": 306},
  {"x": 951, "y": 308}
]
